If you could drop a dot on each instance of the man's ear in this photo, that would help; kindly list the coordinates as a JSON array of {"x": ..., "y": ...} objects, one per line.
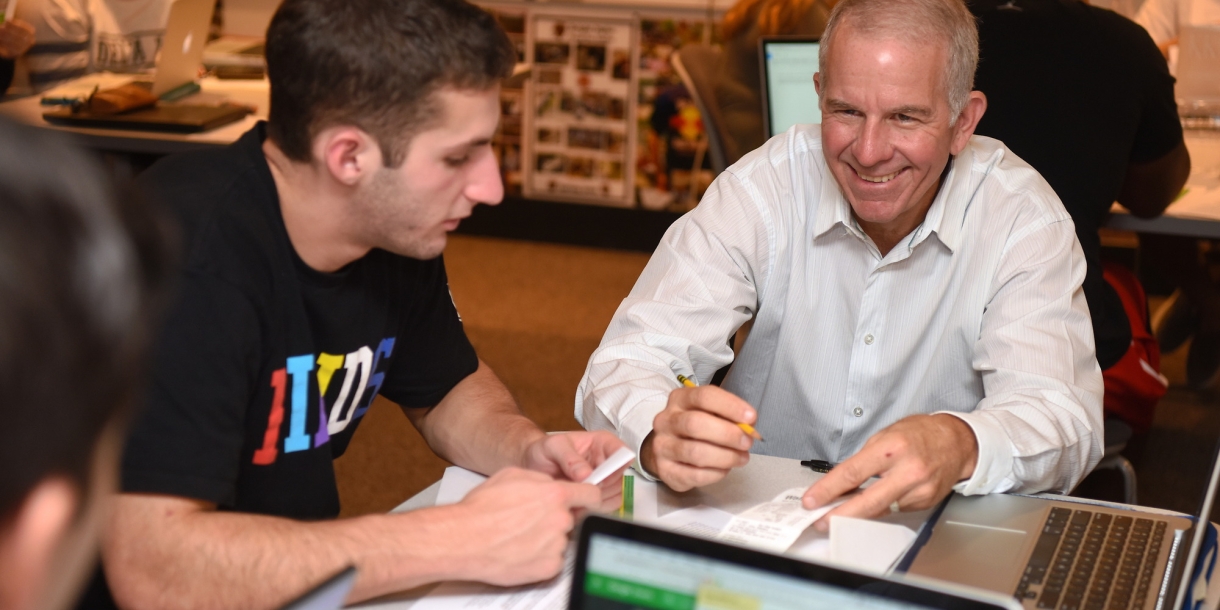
[
  {"x": 817, "y": 83},
  {"x": 348, "y": 153},
  {"x": 968, "y": 120},
  {"x": 29, "y": 540}
]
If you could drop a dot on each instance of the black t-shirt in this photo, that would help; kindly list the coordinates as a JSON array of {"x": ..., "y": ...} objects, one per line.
[
  {"x": 1079, "y": 93},
  {"x": 266, "y": 366}
]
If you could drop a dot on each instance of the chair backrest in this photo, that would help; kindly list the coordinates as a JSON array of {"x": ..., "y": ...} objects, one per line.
[{"x": 697, "y": 65}]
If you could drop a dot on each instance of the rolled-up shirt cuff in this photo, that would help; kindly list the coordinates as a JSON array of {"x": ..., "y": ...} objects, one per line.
[
  {"x": 993, "y": 467},
  {"x": 635, "y": 429}
]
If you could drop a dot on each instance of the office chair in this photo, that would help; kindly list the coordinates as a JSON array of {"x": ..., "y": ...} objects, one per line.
[
  {"x": 697, "y": 65},
  {"x": 1116, "y": 434}
]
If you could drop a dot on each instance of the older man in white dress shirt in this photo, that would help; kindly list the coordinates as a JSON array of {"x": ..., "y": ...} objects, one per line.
[{"x": 914, "y": 292}]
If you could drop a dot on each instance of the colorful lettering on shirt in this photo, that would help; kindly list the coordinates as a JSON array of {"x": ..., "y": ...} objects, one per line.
[
  {"x": 360, "y": 361},
  {"x": 383, "y": 350},
  {"x": 327, "y": 365},
  {"x": 299, "y": 368},
  {"x": 361, "y": 382},
  {"x": 267, "y": 454}
]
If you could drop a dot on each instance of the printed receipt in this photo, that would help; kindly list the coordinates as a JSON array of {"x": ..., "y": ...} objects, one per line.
[{"x": 775, "y": 525}]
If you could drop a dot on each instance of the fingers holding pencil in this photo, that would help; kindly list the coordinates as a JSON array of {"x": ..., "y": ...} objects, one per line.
[{"x": 699, "y": 436}]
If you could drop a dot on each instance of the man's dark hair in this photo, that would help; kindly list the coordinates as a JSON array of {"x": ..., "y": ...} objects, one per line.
[
  {"x": 81, "y": 276},
  {"x": 375, "y": 64}
]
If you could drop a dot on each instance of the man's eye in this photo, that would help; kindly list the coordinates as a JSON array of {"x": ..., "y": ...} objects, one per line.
[
  {"x": 457, "y": 161},
  {"x": 905, "y": 118}
]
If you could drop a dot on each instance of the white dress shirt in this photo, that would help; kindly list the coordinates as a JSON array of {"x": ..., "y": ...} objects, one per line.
[{"x": 978, "y": 313}]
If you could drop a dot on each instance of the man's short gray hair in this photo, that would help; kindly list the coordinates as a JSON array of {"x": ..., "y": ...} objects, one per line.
[{"x": 919, "y": 22}]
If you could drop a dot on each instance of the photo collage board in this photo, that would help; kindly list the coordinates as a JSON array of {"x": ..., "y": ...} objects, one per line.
[{"x": 581, "y": 111}]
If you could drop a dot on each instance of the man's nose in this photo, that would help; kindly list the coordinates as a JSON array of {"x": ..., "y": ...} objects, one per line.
[
  {"x": 485, "y": 184},
  {"x": 872, "y": 145}
]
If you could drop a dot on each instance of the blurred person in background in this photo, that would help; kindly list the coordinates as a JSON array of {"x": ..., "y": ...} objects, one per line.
[{"x": 736, "y": 90}]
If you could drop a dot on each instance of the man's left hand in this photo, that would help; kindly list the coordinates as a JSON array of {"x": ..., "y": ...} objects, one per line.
[
  {"x": 16, "y": 37},
  {"x": 918, "y": 459},
  {"x": 573, "y": 456}
]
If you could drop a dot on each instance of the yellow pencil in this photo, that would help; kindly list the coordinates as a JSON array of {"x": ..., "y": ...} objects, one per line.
[{"x": 747, "y": 428}]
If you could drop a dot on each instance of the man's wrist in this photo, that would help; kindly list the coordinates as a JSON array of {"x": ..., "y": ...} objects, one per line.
[
  {"x": 647, "y": 459},
  {"x": 530, "y": 436},
  {"x": 965, "y": 437}
]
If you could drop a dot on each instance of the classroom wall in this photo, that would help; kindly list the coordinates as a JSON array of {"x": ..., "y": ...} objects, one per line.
[{"x": 248, "y": 17}]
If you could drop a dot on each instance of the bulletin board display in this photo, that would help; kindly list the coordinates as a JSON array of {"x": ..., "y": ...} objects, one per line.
[{"x": 580, "y": 110}]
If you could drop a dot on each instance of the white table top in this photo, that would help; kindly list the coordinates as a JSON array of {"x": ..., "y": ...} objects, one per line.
[
  {"x": 757, "y": 482},
  {"x": 253, "y": 93},
  {"x": 1198, "y": 213}
]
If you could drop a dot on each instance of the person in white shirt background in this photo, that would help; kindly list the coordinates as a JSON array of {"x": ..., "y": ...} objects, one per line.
[
  {"x": 77, "y": 37},
  {"x": 914, "y": 293}
]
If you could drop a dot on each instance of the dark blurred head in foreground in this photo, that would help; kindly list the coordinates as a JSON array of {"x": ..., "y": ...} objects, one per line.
[{"x": 81, "y": 271}]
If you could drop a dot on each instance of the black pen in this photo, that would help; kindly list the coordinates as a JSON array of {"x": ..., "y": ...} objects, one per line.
[{"x": 821, "y": 466}]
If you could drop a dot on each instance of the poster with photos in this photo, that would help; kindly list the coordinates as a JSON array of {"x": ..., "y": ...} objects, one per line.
[{"x": 580, "y": 114}]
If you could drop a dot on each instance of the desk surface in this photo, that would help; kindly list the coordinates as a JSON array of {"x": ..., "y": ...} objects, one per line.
[
  {"x": 758, "y": 481},
  {"x": 253, "y": 93},
  {"x": 1196, "y": 217}
]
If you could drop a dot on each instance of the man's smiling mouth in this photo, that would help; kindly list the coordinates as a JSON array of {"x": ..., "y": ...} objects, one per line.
[{"x": 878, "y": 179}]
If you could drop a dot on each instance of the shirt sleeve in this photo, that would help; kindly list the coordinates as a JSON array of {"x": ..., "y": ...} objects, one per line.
[
  {"x": 432, "y": 352},
  {"x": 187, "y": 441},
  {"x": 1160, "y": 129},
  {"x": 1039, "y": 426},
  {"x": 698, "y": 288}
]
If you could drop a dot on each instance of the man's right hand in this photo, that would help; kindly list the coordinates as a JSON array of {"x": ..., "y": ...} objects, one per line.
[
  {"x": 695, "y": 441},
  {"x": 518, "y": 523}
]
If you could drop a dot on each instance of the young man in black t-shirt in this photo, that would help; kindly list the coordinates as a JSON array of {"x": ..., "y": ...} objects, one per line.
[{"x": 313, "y": 282}]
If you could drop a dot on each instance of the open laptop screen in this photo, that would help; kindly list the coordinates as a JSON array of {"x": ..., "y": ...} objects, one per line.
[
  {"x": 624, "y": 566},
  {"x": 624, "y": 573},
  {"x": 787, "y": 72}
]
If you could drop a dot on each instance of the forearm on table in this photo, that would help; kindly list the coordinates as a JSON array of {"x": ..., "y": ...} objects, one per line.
[
  {"x": 1028, "y": 444},
  {"x": 216, "y": 559},
  {"x": 478, "y": 424}
]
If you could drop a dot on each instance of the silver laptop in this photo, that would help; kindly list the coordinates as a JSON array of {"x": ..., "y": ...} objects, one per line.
[
  {"x": 788, "y": 94},
  {"x": 1053, "y": 553},
  {"x": 186, "y": 34},
  {"x": 622, "y": 565}
]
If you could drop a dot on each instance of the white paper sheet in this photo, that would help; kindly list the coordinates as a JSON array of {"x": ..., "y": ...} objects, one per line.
[
  {"x": 456, "y": 483},
  {"x": 871, "y": 546},
  {"x": 549, "y": 595},
  {"x": 613, "y": 464},
  {"x": 700, "y": 521},
  {"x": 773, "y": 526}
]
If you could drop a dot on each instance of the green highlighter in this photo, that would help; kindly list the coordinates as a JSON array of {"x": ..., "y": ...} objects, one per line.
[{"x": 627, "y": 508}]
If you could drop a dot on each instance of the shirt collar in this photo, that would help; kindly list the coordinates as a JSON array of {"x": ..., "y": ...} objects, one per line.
[{"x": 945, "y": 217}]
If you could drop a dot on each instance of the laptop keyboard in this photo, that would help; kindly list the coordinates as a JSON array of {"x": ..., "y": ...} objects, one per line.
[{"x": 1093, "y": 561}]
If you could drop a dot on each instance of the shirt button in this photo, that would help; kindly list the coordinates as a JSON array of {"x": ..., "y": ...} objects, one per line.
[
  {"x": 868, "y": 339},
  {"x": 858, "y": 412}
]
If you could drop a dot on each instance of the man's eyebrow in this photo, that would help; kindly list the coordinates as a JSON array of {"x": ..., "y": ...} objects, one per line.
[
  {"x": 916, "y": 111},
  {"x": 472, "y": 143},
  {"x": 838, "y": 104}
]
